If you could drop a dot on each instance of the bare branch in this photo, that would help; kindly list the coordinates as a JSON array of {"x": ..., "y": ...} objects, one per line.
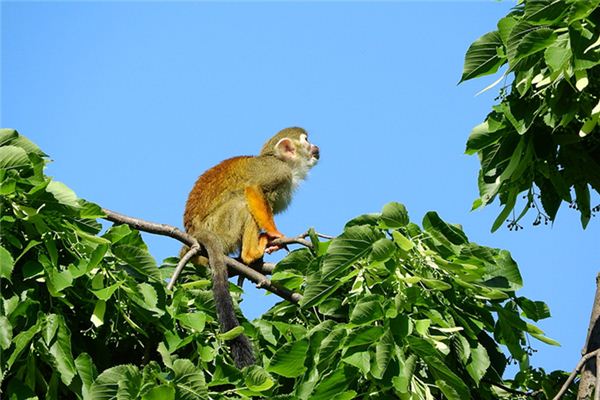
[
  {"x": 511, "y": 390},
  {"x": 194, "y": 248},
  {"x": 571, "y": 377},
  {"x": 321, "y": 235},
  {"x": 284, "y": 241}
]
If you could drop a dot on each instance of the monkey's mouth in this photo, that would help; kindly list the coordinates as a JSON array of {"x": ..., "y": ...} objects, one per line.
[{"x": 314, "y": 152}]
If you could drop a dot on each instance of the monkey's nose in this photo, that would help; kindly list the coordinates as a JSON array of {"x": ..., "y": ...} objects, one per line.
[{"x": 314, "y": 151}]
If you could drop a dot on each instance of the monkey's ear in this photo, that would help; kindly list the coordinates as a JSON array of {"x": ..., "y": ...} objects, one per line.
[{"x": 285, "y": 148}]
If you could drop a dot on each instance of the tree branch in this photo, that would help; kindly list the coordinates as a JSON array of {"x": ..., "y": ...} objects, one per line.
[
  {"x": 571, "y": 377},
  {"x": 588, "y": 380},
  {"x": 511, "y": 390},
  {"x": 257, "y": 277}
]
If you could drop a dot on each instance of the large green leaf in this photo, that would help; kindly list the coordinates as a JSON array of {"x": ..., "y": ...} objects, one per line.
[
  {"x": 258, "y": 380},
  {"x": 6, "y": 333},
  {"x": 333, "y": 383},
  {"x": 383, "y": 354},
  {"x": 189, "y": 381},
  {"x": 366, "y": 310},
  {"x": 86, "y": 371},
  {"x": 7, "y": 263},
  {"x": 482, "y": 57},
  {"x": 13, "y": 157},
  {"x": 289, "y": 360},
  {"x": 356, "y": 242},
  {"x": 545, "y": 11},
  {"x": 115, "y": 381},
  {"x": 60, "y": 349}
]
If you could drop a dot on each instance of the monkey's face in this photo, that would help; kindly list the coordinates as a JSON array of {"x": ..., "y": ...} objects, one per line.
[{"x": 297, "y": 151}]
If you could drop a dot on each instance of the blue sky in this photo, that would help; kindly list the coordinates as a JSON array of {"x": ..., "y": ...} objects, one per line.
[{"x": 134, "y": 100}]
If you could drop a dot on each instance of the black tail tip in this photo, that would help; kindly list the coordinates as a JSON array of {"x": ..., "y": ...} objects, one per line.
[{"x": 241, "y": 351}]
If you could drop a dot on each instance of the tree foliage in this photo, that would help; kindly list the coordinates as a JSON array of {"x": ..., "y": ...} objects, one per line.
[
  {"x": 541, "y": 141},
  {"x": 390, "y": 310}
]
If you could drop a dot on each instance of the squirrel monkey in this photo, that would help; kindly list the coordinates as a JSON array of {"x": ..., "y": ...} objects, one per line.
[{"x": 235, "y": 201}]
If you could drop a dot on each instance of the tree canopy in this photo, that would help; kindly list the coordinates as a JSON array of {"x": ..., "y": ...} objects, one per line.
[
  {"x": 390, "y": 309},
  {"x": 541, "y": 141}
]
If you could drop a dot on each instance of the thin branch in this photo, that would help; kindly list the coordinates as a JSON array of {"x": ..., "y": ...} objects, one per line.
[
  {"x": 321, "y": 235},
  {"x": 284, "y": 241},
  {"x": 571, "y": 377},
  {"x": 194, "y": 248},
  {"x": 511, "y": 390}
]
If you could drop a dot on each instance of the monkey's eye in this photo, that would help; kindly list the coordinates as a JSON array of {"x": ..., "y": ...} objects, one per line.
[{"x": 304, "y": 138}]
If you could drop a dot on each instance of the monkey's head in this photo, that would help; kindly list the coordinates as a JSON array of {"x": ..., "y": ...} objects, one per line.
[{"x": 291, "y": 145}]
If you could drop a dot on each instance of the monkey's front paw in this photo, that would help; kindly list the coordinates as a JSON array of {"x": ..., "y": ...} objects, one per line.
[{"x": 274, "y": 247}]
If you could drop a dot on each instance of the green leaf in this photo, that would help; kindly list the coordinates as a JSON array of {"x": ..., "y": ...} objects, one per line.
[
  {"x": 558, "y": 55},
  {"x": 383, "y": 354},
  {"x": 535, "y": 310},
  {"x": 394, "y": 215},
  {"x": 289, "y": 360},
  {"x": 383, "y": 250},
  {"x": 526, "y": 39},
  {"x": 189, "y": 381},
  {"x": 87, "y": 373},
  {"x": 230, "y": 334},
  {"x": 6, "y": 333},
  {"x": 365, "y": 219},
  {"x": 482, "y": 57},
  {"x": 258, "y": 380},
  {"x": 138, "y": 258},
  {"x": 6, "y": 263},
  {"x": 22, "y": 340},
  {"x": 433, "y": 224},
  {"x": 360, "y": 360},
  {"x": 481, "y": 136},
  {"x": 108, "y": 384},
  {"x": 582, "y": 193},
  {"x": 195, "y": 321},
  {"x": 62, "y": 194},
  {"x": 332, "y": 384},
  {"x": 544, "y": 339},
  {"x": 402, "y": 241},
  {"x": 449, "y": 383},
  {"x": 480, "y": 362},
  {"x": 150, "y": 298},
  {"x": 61, "y": 349},
  {"x": 13, "y": 157},
  {"x": 12, "y": 137},
  {"x": 162, "y": 392},
  {"x": 355, "y": 243},
  {"x": 364, "y": 335},
  {"x": 107, "y": 292},
  {"x": 97, "y": 317},
  {"x": 509, "y": 206},
  {"x": 407, "y": 369},
  {"x": 58, "y": 281},
  {"x": 366, "y": 310},
  {"x": 545, "y": 12}
]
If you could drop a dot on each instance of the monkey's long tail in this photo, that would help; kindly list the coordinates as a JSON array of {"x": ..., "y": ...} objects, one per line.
[{"x": 241, "y": 348}]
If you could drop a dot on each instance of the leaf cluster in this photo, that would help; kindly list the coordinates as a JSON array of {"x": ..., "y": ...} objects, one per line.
[
  {"x": 390, "y": 310},
  {"x": 541, "y": 141},
  {"x": 393, "y": 310}
]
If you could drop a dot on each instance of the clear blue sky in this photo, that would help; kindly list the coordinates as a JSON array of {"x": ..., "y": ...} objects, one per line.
[{"x": 134, "y": 100}]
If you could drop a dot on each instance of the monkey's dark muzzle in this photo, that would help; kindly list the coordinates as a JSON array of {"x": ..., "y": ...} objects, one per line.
[{"x": 314, "y": 151}]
